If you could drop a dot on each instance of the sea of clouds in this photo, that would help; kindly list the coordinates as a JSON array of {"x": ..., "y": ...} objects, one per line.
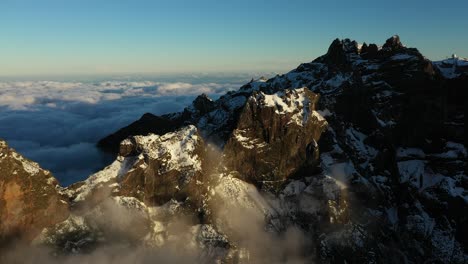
[{"x": 57, "y": 123}]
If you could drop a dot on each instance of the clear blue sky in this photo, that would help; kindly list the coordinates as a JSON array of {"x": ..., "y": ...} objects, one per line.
[{"x": 173, "y": 36}]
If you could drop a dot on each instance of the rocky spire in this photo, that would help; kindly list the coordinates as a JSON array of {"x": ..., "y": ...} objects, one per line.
[
  {"x": 339, "y": 49},
  {"x": 203, "y": 104},
  {"x": 393, "y": 43}
]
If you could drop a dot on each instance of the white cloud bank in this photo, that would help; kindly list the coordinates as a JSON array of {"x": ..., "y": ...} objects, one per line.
[
  {"x": 58, "y": 123},
  {"x": 22, "y": 95}
]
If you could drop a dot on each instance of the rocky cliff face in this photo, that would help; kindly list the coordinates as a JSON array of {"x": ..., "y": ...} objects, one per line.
[
  {"x": 29, "y": 197},
  {"x": 168, "y": 167},
  {"x": 281, "y": 129},
  {"x": 141, "y": 198},
  {"x": 152, "y": 168},
  {"x": 373, "y": 172}
]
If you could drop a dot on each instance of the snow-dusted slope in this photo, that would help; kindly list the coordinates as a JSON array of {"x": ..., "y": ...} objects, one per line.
[
  {"x": 177, "y": 150},
  {"x": 453, "y": 67},
  {"x": 173, "y": 159},
  {"x": 373, "y": 172}
]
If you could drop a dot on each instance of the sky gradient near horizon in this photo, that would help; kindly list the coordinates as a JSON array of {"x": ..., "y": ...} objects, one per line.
[{"x": 56, "y": 37}]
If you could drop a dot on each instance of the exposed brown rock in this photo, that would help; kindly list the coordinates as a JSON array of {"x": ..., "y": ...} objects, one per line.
[
  {"x": 29, "y": 198},
  {"x": 275, "y": 137}
]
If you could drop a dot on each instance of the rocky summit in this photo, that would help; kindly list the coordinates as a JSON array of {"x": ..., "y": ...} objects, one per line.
[
  {"x": 282, "y": 129},
  {"x": 356, "y": 157}
]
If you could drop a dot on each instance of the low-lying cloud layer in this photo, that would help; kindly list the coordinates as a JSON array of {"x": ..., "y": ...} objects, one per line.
[{"x": 57, "y": 124}]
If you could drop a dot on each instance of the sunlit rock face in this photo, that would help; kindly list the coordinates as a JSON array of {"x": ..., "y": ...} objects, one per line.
[
  {"x": 276, "y": 137},
  {"x": 29, "y": 197}
]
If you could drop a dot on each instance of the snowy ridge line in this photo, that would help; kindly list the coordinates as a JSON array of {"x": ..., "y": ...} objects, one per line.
[{"x": 175, "y": 149}]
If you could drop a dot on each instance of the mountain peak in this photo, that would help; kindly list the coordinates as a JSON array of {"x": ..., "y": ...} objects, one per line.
[
  {"x": 339, "y": 48},
  {"x": 203, "y": 104},
  {"x": 393, "y": 43},
  {"x": 343, "y": 51}
]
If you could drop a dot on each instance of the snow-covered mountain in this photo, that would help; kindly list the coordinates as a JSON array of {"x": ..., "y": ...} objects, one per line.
[{"x": 356, "y": 157}]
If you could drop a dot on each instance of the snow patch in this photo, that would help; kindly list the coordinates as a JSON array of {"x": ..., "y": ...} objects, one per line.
[
  {"x": 236, "y": 102},
  {"x": 177, "y": 148},
  {"x": 116, "y": 169},
  {"x": 337, "y": 80},
  {"x": 356, "y": 140},
  {"x": 291, "y": 101},
  {"x": 412, "y": 171},
  {"x": 325, "y": 112},
  {"x": 237, "y": 193},
  {"x": 247, "y": 142},
  {"x": 32, "y": 168}
]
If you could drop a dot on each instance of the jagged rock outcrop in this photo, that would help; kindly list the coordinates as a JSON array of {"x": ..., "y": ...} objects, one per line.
[
  {"x": 391, "y": 182},
  {"x": 394, "y": 142},
  {"x": 152, "y": 168},
  {"x": 29, "y": 197},
  {"x": 169, "y": 166},
  {"x": 369, "y": 51},
  {"x": 340, "y": 50},
  {"x": 154, "y": 181},
  {"x": 281, "y": 129},
  {"x": 383, "y": 111},
  {"x": 203, "y": 105},
  {"x": 393, "y": 44}
]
